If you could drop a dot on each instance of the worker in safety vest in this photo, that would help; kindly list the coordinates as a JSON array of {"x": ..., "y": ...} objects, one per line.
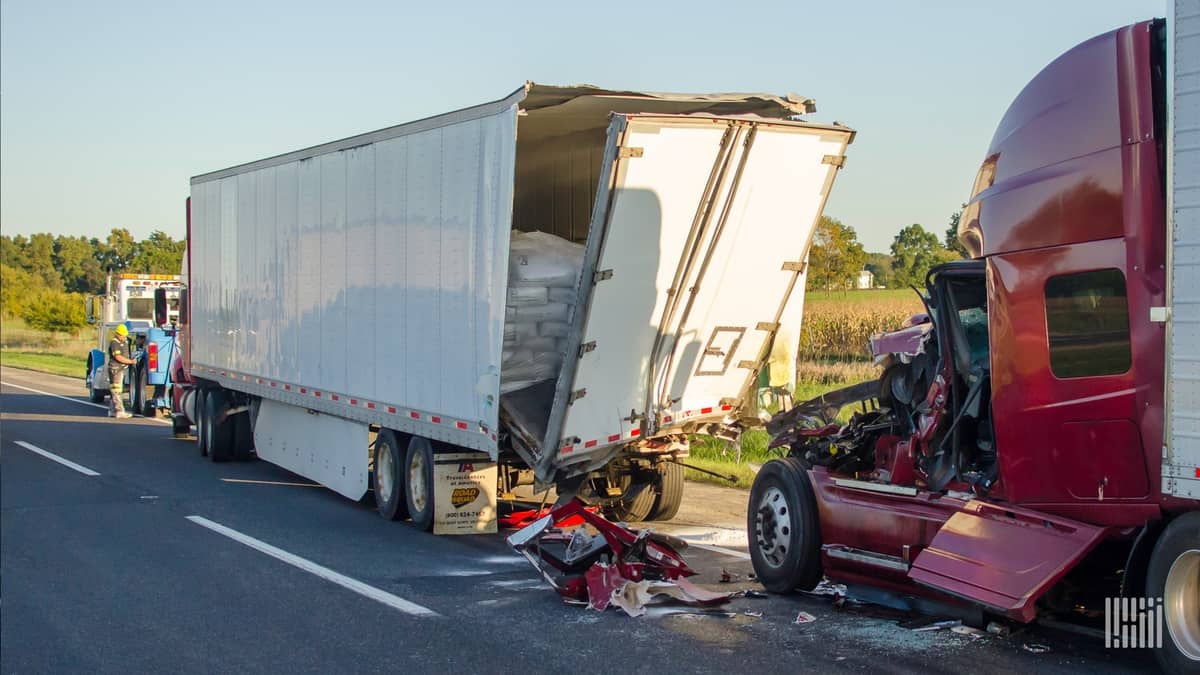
[{"x": 118, "y": 359}]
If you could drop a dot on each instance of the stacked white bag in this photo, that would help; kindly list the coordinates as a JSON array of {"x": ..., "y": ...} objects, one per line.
[{"x": 543, "y": 272}]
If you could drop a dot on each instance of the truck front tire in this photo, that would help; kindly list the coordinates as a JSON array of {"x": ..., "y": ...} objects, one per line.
[
  {"x": 138, "y": 380},
  {"x": 96, "y": 395},
  {"x": 1174, "y": 576},
  {"x": 783, "y": 528},
  {"x": 419, "y": 489}
]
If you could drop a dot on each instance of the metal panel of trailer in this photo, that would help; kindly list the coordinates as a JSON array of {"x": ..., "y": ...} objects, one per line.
[
  {"x": 372, "y": 274},
  {"x": 1181, "y": 454},
  {"x": 717, "y": 213}
]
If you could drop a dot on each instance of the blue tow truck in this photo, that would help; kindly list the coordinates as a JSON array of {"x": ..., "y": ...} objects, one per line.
[{"x": 148, "y": 305}]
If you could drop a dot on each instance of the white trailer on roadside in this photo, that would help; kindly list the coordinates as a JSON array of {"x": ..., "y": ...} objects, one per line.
[{"x": 356, "y": 290}]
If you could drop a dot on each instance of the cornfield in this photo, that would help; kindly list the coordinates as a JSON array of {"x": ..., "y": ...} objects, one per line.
[{"x": 837, "y": 325}]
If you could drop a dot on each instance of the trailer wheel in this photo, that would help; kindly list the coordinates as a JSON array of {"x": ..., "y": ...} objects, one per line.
[
  {"x": 1174, "y": 576},
  {"x": 243, "y": 436},
  {"x": 670, "y": 491},
  {"x": 218, "y": 431},
  {"x": 636, "y": 502},
  {"x": 418, "y": 493},
  {"x": 201, "y": 427},
  {"x": 785, "y": 536},
  {"x": 179, "y": 425},
  {"x": 389, "y": 477}
]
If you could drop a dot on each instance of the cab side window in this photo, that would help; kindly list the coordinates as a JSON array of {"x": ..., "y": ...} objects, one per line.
[{"x": 1087, "y": 321}]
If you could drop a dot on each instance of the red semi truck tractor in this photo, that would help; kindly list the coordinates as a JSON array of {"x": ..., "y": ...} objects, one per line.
[{"x": 1033, "y": 443}]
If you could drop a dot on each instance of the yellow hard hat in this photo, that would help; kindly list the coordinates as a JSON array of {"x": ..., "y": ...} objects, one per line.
[{"x": 122, "y": 330}]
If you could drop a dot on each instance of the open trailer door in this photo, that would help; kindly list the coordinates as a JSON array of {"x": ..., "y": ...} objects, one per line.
[
  {"x": 697, "y": 246},
  {"x": 1002, "y": 557}
]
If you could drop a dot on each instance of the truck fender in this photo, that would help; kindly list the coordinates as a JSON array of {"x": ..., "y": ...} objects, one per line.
[
  {"x": 1133, "y": 577},
  {"x": 97, "y": 360}
]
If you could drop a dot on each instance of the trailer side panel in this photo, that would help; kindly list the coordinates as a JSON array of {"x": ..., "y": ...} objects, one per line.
[{"x": 366, "y": 281}]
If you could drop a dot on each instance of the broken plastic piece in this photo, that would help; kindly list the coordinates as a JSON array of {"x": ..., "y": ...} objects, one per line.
[
  {"x": 973, "y": 633},
  {"x": 995, "y": 628},
  {"x": 938, "y": 625},
  {"x": 1035, "y": 648},
  {"x": 757, "y": 615},
  {"x": 728, "y": 577},
  {"x": 804, "y": 617},
  {"x": 633, "y": 596},
  {"x": 598, "y": 568}
]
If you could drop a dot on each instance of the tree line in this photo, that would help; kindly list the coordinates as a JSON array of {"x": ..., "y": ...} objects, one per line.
[
  {"x": 45, "y": 278},
  {"x": 837, "y": 257}
]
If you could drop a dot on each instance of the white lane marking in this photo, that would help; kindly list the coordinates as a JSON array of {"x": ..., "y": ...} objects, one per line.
[
  {"x": 721, "y": 549},
  {"x": 73, "y": 400},
  {"x": 55, "y": 458},
  {"x": 313, "y": 568}
]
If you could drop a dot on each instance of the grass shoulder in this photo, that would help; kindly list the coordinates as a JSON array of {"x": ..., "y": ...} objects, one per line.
[{"x": 55, "y": 364}]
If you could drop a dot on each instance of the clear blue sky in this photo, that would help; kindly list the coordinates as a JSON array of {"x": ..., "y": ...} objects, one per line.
[{"x": 107, "y": 108}]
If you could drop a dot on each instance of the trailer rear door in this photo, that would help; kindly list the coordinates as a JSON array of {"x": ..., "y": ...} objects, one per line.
[
  {"x": 696, "y": 247},
  {"x": 1181, "y": 452}
]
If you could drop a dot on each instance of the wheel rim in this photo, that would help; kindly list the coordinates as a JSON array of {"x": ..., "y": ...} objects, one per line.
[
  {"x": 773, "y": 529},
  {"x": 416, "y": 482},
  {"x": 384, "y": 471},
  {"x": 1181, "y": 599}
]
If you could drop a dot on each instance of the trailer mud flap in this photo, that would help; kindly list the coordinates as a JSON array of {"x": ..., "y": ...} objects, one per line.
[{"x": 1002, "y": 557}]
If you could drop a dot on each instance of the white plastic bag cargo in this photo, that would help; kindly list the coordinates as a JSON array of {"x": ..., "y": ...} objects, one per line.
[
  {"x": 526, "y": 295},
  {"x": 543, "y": 258},
  {"x": 562, "y": 294},
  {"x": 551, "y": 311},
  {"x": 553, "y": 329}
]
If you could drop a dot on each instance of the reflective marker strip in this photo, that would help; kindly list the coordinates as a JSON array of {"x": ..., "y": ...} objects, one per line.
[{"x": 431, "y": 418}]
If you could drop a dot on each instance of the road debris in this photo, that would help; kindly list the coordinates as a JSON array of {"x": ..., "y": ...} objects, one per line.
[
  {"x": 728, "y": 577},
  {"x": 1035, "y": 647},
  {"x": 999, "y": 629},
  {"x": 937, "y": 625},
  {"x": 614, "y": 566},
  {"x": 757, "y": 615},
  {"x": 973, "y": 633},
  {"x": 803, "y": 618}
]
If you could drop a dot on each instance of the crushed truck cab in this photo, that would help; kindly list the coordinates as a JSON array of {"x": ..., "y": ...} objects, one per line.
[{"x": 1029, "y": 446}]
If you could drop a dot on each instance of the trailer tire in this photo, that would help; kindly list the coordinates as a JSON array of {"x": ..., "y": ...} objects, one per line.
[
  {"x": 388, "y": 477},
  {"x": 219, "y": 432},
  {"x": 243, "y": 436},
  {"x": 201, "y": 428},
  {"x": 636, "y": 507},
  {"x": 783, "y": 527},
  {"x": 1174, "y": 576},
  {"x": 418, "y": 482},
  {"x": 179, "y": 425},
  {"x": 670, "y": 491}
]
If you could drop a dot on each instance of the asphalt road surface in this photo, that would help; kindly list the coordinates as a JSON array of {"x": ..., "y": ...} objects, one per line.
[{"x": 138, "y": 555}]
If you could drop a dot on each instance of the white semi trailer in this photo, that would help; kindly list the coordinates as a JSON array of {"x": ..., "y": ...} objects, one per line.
[{"x": 348, "y": 300}]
